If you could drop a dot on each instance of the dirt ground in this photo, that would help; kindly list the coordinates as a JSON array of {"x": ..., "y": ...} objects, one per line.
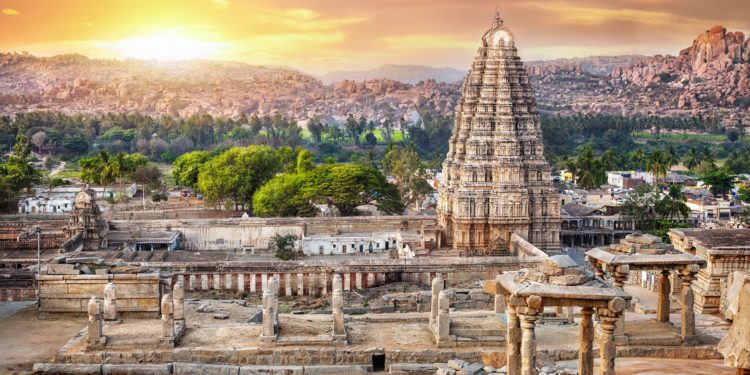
[{"x": 26, "y": 339}]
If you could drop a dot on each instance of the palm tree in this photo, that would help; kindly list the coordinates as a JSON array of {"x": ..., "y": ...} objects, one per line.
[
  {"x": 638, "y": 158},
  {"x": 707, "y": 155},
  {"x": 672, "y": 158},
  {"x": 673, "y": 204},
  {"x": 658, "y": 164},
  {"x": 691, "y": 159}
]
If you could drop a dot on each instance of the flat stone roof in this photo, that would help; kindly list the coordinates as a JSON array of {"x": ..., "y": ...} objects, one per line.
[
  {"x": 596, "y": 293},
  {"x": 645, "y": 261},
  {"x": 718, "y": 238},
  {"x": 147, "y": 237}
]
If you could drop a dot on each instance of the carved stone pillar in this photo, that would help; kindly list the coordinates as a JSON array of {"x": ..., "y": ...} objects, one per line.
[
  {"x": 663, "y": 288},
  {"x": 607, "y": 345},
  {"x": 110, "y": 302},
  {"x": 513, "y": 339},
  {"x": 687, "y": 275},
  {"x": 95, "y": 326},
  {"x": 608, "y": 318},
  {"x": 167, "y": 316},
  {"x": 268, "y": 332},
  {"x": 529, "y": 316},
  {"x": 437, "y": 287},
  {"x": 178, "y": 294},
  {"x": 443, "y": 322},
  {"x": 619, "y": 276},
  {"x": 585, "y": 355}
]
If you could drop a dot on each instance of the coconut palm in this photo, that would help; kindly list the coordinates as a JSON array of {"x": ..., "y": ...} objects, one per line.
[
  {"x": 673, "y": 204},
  {"x": 691, "y": 159},
  {"x": 658, "y": 164}
]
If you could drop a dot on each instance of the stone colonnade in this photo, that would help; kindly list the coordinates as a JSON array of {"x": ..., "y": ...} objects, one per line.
[
  {"x": 294, "y": 283},
  {"x": 523, "y": 315}
]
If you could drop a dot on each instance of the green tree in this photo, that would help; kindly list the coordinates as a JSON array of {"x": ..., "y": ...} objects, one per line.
[
  {"x": 409, "y": 170},
  {"x": 658, "y": 164},
  {"x": 721, "y": 181},
  {"x": 282, "y": 197},
  {"x": 639, "y": 206},
  {"x": 691, "y": 159},
  {"x": 304, "y": 161},
  {"x": 237, "y": 173},
  {"x": 148, "y": 176},
  {"x": 17, "y": 174},
  {"x": 347, "y": 186},
  {"x": 672, "y": 204},
  {"x": 187, "y": 167}
]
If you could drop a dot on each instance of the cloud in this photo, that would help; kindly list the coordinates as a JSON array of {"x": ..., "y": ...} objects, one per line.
[
  {"x": 221, "y": 3},
  {"x": 428, "y": 41},
  {"x": 88, "y": 24},
  {"x": 10, "y": 12}
]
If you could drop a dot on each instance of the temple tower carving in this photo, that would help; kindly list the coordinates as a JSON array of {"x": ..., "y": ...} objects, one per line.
[{"x": 496, "y": 181}]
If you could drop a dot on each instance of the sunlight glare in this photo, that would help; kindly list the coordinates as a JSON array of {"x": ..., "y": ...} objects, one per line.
[{"x": 165, "y": 47}]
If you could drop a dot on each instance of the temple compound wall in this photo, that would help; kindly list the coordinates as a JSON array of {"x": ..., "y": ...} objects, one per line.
[
  {"x": 725, "y": 251},
  {"x": 71, "y": 293},
  {"x": 257, "y": 233}
]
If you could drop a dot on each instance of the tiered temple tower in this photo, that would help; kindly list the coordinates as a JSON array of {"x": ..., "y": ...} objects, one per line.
[
  {"x": 87, "y": 220},
  {"x": 496, "y": 181}
]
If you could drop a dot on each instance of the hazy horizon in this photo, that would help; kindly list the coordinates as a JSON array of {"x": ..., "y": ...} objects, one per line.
[{"x": 355, "y": 35}]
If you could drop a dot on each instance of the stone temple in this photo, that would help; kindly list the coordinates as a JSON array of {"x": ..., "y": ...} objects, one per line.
[{"x": 496, "y": 180}]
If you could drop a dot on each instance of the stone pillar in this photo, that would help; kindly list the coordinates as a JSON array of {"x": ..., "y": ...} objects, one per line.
[
  {"x": 95, "y": 326},
  {"x": 443, "y": 321},
  {"x": 370, "y": 279},
  {"x": 217, "y": 281},
  {"x": 178, "y": 295},
  {"x": 312, "y": 286},
  {"x": 324, "y": 283},
  {"x": 347, "y": 282},
  {"x": 437, "y": 287},
  {"x": 270, "y": 301},
  {"x": 619, "y": 276},
  {"x": 513, "y": 338},
  {"x": 253, "y": 287},
  {"x": 585, "y": 355},
  {"x": 300, "y": 284},
  {"x": 358, "y": 280},
  {"x": 167, "y": 316},
  {"x": 608, "y": 318},
  {"x": 241, "y": 284},
  {"x": 499, "y": 303},
  {"x": 529, "y": 315},
  {"x": 337, "y": 305},
  {"x": 687, "y": 275},
  {"x": 663, "y": 288},
  {"x": 204, "y": 282},
  {"x": 263, "y": 282},
  {"x": 191, "y": 282},
  {"x": 287, "y": 284},
  {"x": 228, "y": 281},
  {"x": 110, "y": 302}
]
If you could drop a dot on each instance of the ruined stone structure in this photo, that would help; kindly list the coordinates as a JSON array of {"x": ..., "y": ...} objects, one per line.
[
  {"x": 110, "y": 301},
  {"x": 496, "y": 180},
  {"x": 725, "y": 251},
  {"x": 87, "y": 229}
]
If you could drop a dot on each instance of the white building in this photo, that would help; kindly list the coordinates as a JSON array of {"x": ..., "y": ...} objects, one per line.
[
  {"x": 45, "y": 205},
  {"x": 349, "y": 243}
]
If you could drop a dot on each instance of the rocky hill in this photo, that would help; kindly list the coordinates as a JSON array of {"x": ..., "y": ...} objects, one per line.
[
  {"x": 709, "y": 78},
  {"x": 76, "y": 84},
  {"x": 404, "y": 73}
]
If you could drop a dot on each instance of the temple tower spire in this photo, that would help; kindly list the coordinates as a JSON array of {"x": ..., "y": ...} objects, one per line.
[{"x": 496, "y": 181}]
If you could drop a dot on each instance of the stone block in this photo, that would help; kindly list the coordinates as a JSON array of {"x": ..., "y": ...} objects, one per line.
[
  {"x": 181, "y": 368},
  {"x": 336, "y": 370},
  {"x": 494, "y": 359},
  {"x": 457, "y": 364},
  {"x": 62, "y": 269},
  {"x": 569, "y": 279},
  {"x": 471, "y": 369},
  {"x": 412, "y": 369},
  {"x": 272, "y": 370},
  {"x": 64, "y": 369},
  {"x": 137, "y": 369},
  {"x": 479, "y": 296}
]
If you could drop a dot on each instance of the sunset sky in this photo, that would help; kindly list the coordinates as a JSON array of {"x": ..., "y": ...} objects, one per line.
[{"x": 322, "y": 35}]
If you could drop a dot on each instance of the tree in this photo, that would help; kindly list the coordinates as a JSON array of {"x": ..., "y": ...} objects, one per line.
[
  {"x": 673, "y": 204},
  {"x": 237, "y": 173},
  {"x": 639, "y": 206},
  {"x": 591, "y": 173},
  {"x": 304, "y": 161},
  {"x": 371, "y": 140},
  {"x": 282, "y": 197},
  {"x": 658, "y": 164},
  {"x": 39, "y": 139},
  {"x": 347, "y": 186},
  {"x": 187, "y": 167},
  {"x": 148, "y": 176},
  {"x": 17, "y": 174},
  {"x": 691, "y": 159},
  {"x": 721, "y": 181},
  {"x": 405, "y": 165}
]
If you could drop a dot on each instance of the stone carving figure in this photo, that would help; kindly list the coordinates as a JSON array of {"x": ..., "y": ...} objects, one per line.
[{"x": 110, "y": 302}]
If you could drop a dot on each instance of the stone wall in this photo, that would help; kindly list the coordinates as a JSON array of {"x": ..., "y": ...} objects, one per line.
[
  {"x": 239, "y": 233},
  {"x": 136, "y": 293}
]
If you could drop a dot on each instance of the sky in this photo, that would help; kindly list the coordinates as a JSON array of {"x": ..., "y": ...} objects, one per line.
[{"x": 324, "y": 35}]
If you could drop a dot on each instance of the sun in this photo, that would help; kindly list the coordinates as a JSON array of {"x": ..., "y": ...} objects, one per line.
[{"x": 165, "y": 47}]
